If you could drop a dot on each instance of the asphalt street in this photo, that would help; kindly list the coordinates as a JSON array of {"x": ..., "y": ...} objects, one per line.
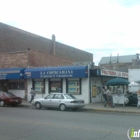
[{"x": 18, "y": 123}]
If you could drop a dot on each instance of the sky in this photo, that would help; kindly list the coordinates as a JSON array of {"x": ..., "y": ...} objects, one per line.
[{"x": 101, "y": 27}]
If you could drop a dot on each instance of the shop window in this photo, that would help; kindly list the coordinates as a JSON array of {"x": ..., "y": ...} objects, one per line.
[
  {"x": 55, "y": 85},
  {"x": 39, "y": 85},
  {"x": 74, "y": 86},
  {"x": 17, "y": 85}
]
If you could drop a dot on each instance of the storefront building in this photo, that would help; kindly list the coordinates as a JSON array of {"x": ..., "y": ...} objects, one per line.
[
  {"x": 78, "y": 80},
  {"x": 66, "y": 79},
  {"x": 99, "y": 78},
  {"x": 12, "y": 80}
]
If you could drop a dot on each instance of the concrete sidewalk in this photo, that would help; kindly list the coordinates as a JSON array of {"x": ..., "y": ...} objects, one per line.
[{"x": 99, "y": 106}]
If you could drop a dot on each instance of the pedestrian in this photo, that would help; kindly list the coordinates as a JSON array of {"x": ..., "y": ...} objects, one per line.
[
  {"x": 32, "y": 92},
  {"x": 104, "y": 93},
  {"x": 109, "y": 98}
]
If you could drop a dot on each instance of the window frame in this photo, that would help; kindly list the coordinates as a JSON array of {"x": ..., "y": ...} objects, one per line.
[
  {"x": 80, "y": 86},
  {"x": 55, "y": 80},
  {"x": 39, "y": 80},
  {"x": 16, "y": 85}
]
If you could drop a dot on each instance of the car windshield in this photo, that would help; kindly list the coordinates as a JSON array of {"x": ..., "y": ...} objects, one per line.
[{"x": 69, "y": 96}]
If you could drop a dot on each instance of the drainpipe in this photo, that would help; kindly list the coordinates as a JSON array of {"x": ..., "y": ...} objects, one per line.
[{"x": 53, "y": 44}]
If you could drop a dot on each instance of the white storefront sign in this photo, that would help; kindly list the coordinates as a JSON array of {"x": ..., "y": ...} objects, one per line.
[{"x": 114, "y": 73}]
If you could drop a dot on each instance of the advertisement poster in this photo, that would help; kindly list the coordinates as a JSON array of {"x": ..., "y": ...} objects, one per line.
[
  {"x": 94, "y": 91},
  {"x": 39, "y": 86},
  {"x": 73, "y": 87},
  {"x": 55, "y": 86}
]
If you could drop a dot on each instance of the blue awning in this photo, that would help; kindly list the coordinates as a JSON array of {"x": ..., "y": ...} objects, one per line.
[
  {"x": 57, "y": 72},
  {"x": 11, "y": 73}
]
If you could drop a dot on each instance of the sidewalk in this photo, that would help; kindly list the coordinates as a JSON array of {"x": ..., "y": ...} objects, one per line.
[
  {"x": 99, "y": 106},
  {"x": 118, "y": 108}
]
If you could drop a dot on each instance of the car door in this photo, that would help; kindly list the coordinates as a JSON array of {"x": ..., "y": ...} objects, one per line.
[
  {"x": 47, "y": 102},
  {"x": 57, "y": 99}
]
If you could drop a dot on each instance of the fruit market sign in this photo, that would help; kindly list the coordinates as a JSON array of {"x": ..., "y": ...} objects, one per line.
[{"x": 114, "y": 73}]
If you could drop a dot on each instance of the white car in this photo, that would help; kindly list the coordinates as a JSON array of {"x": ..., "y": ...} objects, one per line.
[{"x": 59, "y": 100}]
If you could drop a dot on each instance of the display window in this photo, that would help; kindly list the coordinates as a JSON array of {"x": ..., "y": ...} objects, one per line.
[
  {"x": 55, "y": 85},
  {"x": 17, "y": 85},
  {"x": 39, "y": 85},
  {"x": 74, "y": 86}
]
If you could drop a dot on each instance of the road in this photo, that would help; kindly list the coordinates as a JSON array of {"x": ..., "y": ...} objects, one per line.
[{"x": 18, "y": 123}]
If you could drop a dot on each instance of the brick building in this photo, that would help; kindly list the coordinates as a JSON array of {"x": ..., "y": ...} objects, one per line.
[
  {"x": 20, "y": 49},
  {"x": 34, "y": 51},
  {"x": 31, "y": 58}
]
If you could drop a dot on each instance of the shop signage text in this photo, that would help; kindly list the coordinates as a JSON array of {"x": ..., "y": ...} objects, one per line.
[
  {"x": 3, "y": 75},
  {"x": 56, "y": 73},
  {"x": 114, "y": 73}
]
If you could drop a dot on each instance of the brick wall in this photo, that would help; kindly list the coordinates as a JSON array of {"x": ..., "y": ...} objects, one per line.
[
  {"x": 31, "y": 58},
  {"x": 72, "y": 53},
  {"x": 39, "y": 59},
  {"x": 13, "y": 60},
  {"x": 13, "y": 39}
]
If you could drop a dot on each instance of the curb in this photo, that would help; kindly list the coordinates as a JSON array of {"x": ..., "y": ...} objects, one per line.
[
  {"x": 96, "y": 109},
  {"x": 115, "y": 111}
]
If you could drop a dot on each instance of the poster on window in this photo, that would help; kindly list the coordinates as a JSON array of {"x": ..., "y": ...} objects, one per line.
[
  {"x": 39, "y": 86},
  {"x": 73, "y": 87},
  {"x": 55, "y": 86},
  {"x": 94, "y": 91}
]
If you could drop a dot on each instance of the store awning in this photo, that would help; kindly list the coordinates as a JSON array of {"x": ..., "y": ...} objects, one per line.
[
  {"x": 57, "y": 72},
  {"x": 11, "y": 73},
  {"x": 117, "y": 81}
]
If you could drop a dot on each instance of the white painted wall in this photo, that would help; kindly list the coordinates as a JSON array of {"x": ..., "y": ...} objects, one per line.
[
  {"x": 134, "y": 75},
  {"x": 19, "y": 93},
  {"x": 29, "y": 86},
  {"x": 84, "y": 93}
]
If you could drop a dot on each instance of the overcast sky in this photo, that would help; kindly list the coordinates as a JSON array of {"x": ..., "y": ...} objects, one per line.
[{"x": 101, "y": 27}]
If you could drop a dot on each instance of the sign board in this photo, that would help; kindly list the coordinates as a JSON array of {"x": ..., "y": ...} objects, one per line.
[{"x": 114, "y": 73}]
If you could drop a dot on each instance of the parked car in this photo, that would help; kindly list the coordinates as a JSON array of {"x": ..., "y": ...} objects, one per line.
[
  {"x": 132, "y": 99},
  {"x": 8, "y": 98},
  {"x": 59, "y": 100}
]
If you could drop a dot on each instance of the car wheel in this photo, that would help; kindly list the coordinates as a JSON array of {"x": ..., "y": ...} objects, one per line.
[
  {"x": 62, "y": 107},
  {"x": 38, "y": 105},
  {"x": 2, "y": 103}
]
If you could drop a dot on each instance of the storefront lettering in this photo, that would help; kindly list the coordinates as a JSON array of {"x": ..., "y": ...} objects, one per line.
[
  {"x": 114, "y": 73},
  {"x": 57, "y": 73},
  {"x": 3, "y": 75},
  {"x": 107, "y": 72}
]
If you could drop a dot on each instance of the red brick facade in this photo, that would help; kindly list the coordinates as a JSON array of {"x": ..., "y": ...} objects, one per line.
[
  {"x": 39, "y": 59},
  {"x": 13, "y": 39},
  {"x": 31, "y": 58},
  {"x": 13, "y": 60}
]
